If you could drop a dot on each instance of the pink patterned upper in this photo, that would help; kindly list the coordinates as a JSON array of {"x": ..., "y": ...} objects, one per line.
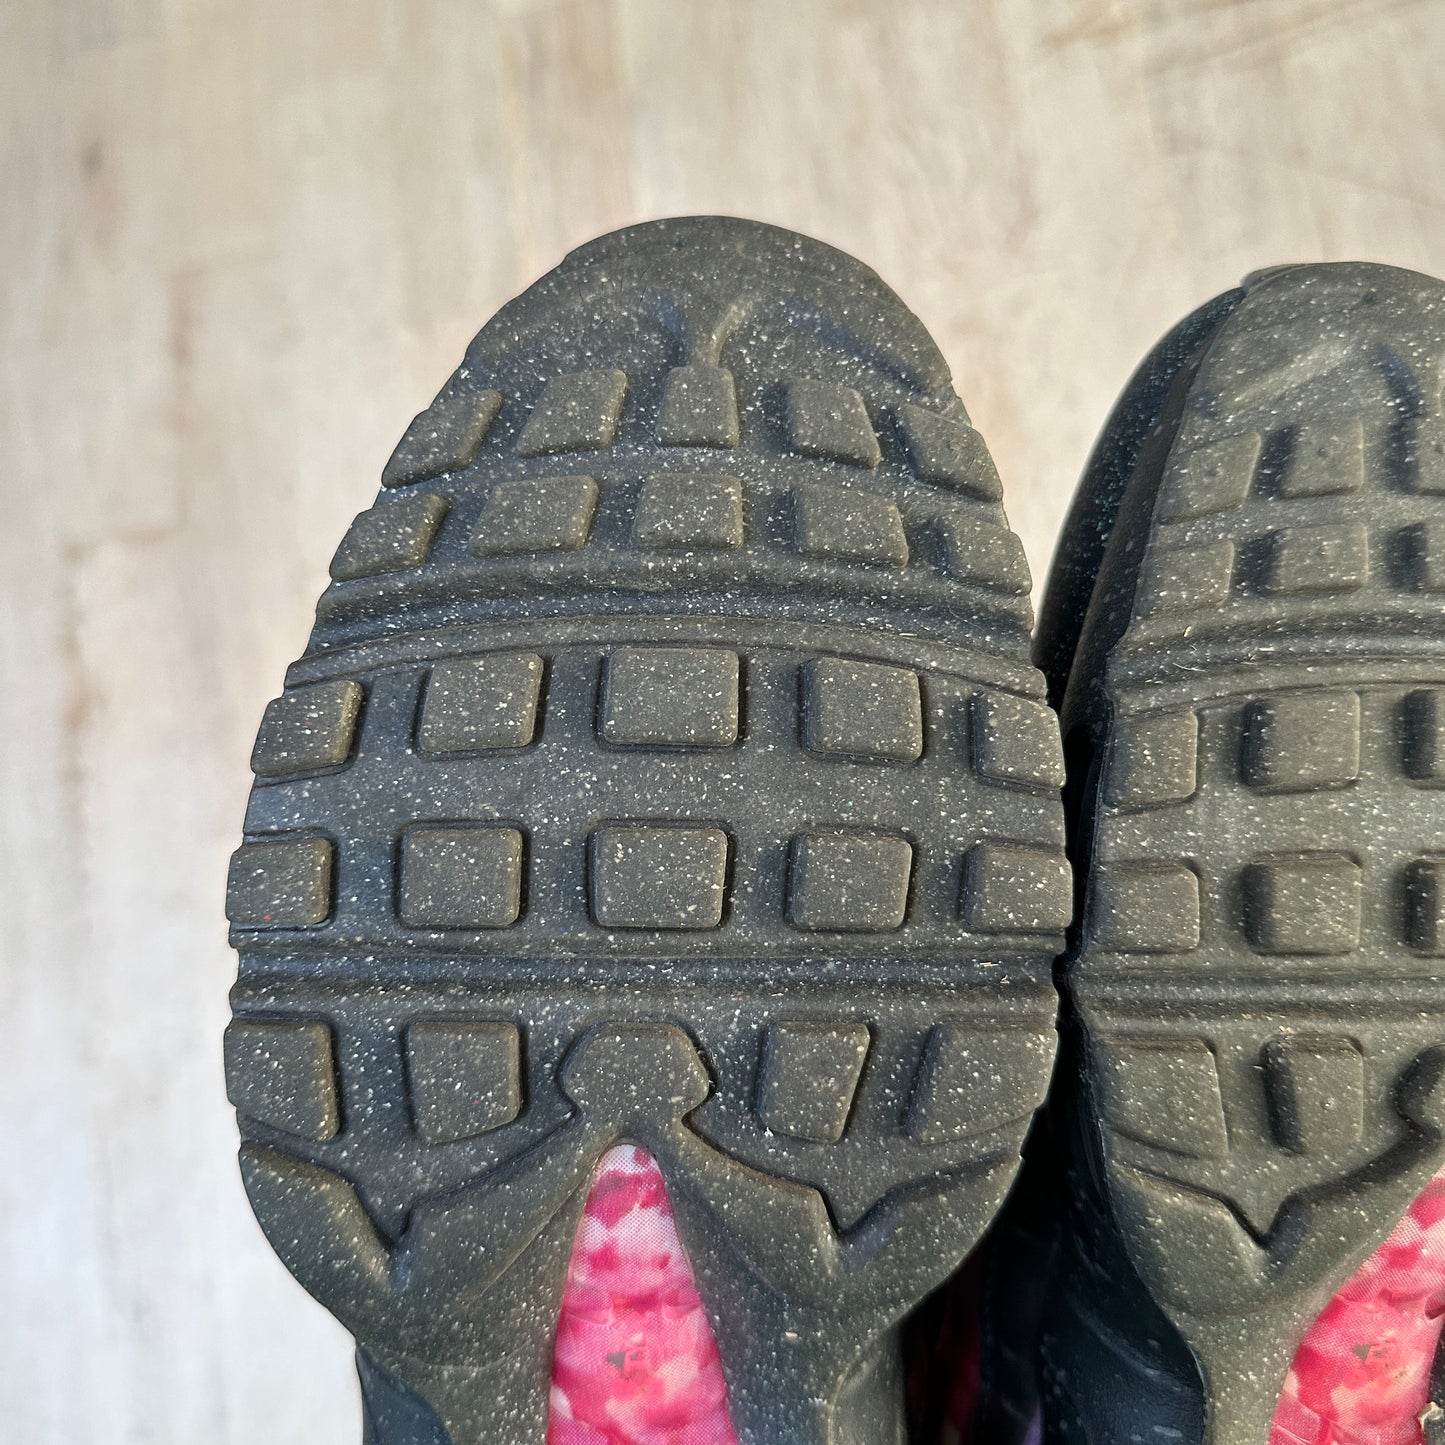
[
  {"x": 636, "y": 1362},
  {"x": 1361, "y": 1376}
]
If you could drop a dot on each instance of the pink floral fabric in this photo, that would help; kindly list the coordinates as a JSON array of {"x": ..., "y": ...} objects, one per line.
[
  {"x": 636, "y": 1362},
  {"x": 1362, "y": 1374}
]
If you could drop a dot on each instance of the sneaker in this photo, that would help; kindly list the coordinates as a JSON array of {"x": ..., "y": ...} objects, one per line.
[
  {"x": 654, "y": 867},
  {"x": 1245, "y": 635}
]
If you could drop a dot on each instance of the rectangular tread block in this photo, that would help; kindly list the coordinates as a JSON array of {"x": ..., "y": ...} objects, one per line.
[
  {"x": 1153, "y": 759},
  {"x": 699, "y": 408},
  {"x": 947, "y": 452},
  {"x": 307, "y": 729},
  {"x": 1296, "y": 742},
  {"x": 1185, "y": 579},
  {"x": 283, "y": 1073},
  {"x": 978, "y": 551},
  {"x": 1145, "y": 908},
  {"x": 689, "y": 511},
  {"x": 444, "y": 438},
  {"x": 1421, "y": 550},
  {"x": 1328, "y": 458},
  {"x": 1016, "y": 890},
  {"x": 1164, "y": 1092},
  {"x": 831, "y": 421},
  {"x": 973, "y": 1080},
  {"x": 1425, "y": 906},
  {"x": 280, "y": 883},
  {"x": 658, "y": 875},
  {"x": 849, "y": 882},
  {"x": 578, "y": 411},
  {"x": 1016, "y": 740},
  {"x": 808, "y": 1078},
  {"x": 847, "y": 525},
  {"x": 1427, "y": 457},
  {"x": 393, "y": 536},
  {"x": 862, "y": 710},
  {"x": 476, "y": 704},
  {"x": 1212, "y": 478},
  {"x": 465, "y": 1079},
  {"x": 1330, "y": 558},
  {"x": 682, "y": 697},
  {"x": 467, "y": 876},
  {"x": 546, "y": 514},
  {"x": 1303, "y": 903},
  {"x": 1316, "y": 1089},
  {"x": 1423, "y": 736}
]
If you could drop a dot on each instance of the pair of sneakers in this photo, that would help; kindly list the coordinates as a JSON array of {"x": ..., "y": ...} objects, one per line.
[{"x": 680, "y": 883}]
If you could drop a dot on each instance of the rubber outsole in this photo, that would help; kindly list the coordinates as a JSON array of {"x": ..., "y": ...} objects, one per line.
[
  {"x": 666, "y": 765},
  {"x": 1256, "y": 740}
]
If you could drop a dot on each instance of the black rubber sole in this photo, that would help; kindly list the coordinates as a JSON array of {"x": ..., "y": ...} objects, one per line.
[
  {"x": 666, "y": 765},
  {"x": 1255, "y": 726}
]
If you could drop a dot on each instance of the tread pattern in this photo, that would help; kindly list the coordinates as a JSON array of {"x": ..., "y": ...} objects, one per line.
[
  {"x": 1165, "y": 1093},
  {"x": 849, "y": 526},
  {"x": 1016, "y": 740},
  {"x": 281, "y": 882},
  {"x": 409, "y": 544},
  {"x": 577, "y": 412},
  {"x": 465, "y": 1078},
  {"x": 862, "y": 710},
  {"x": 1255, "y": 976},
  {"x": 831, "y": 421},
  {"x": 464, "y": 877},
  {"x": 1264, "y": 758},
  {"x": 809, "y": 1077},
  {"x": 1325, "y": 504},
  {"x": 392, "y": 536},
  {"x": 686, "y": 510},
  {"x": 510, "y": 723},
  {"x": 1297, "y": 742},
  {"x": 948, "y": 453},
  {"x": 855, "y": 883},
  {"x": 283, "y": 1074},
  {"x": 666, "y": 765},
  {"x": 699, "y": 408},
  {"x": 1326, "y": 458},
  {"x": 652, "y": 876},
  {"x": 974, "y": 1080},
  {"x": 1425, "y": 906},
  {"x": 549, "y": 514},
  {"x": 1423, "y": 736},
  {"x": 307, "y": 730},
  {"x": 444, "y": 438},
  {"x": 895, "y": 483},
  {"x": 1187, "y": 578},
  {"x": 1016, "y": 890},
  {"x": 683, "y": 697},
  {"x": 1303, "y": 904},
  {"x": 1214, "y": 477},
  {"x": 1153, "y": 759},
  {"x": 480, "y": 704}
]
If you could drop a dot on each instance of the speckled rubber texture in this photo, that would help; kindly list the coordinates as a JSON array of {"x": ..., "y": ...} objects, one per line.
[
  {"x": 1254, "y": 717},
  {"x": 666, "y": 765}
]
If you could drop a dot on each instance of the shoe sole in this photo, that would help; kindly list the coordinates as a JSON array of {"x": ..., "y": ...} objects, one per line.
[
  {"x": 666, "y": 765},
  {"x": 1255, "y": 726}
]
